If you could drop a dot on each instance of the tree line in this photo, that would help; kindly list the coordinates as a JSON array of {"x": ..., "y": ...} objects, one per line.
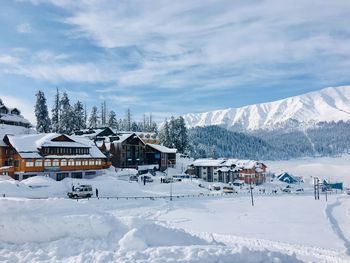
[{"x": 68, "y": 118}]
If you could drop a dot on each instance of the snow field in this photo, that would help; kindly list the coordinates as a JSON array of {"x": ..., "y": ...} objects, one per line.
[
  {"x": 329, "y": 168},
  {"x": 58, "y": 230}
]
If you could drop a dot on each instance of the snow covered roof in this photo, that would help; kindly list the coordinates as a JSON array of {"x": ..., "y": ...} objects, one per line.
[
  {"x": 13, "y": 130},
  {"x": 93, "y": 132},
  {"x": 123, "y": 137},
  {"x": 162, "y": 148},
  {"x": 14, "y": 118},
  {"x": 208, "y": 162},
  {"x": 246, "y": 164},
  {"x": 28, "y": 146},
  {"x": 239, "y": 164}
]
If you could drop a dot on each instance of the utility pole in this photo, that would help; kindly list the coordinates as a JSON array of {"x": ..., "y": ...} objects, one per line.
[
  {"x": 251, "y": 190},
  {"x": 316, "y": 188}
]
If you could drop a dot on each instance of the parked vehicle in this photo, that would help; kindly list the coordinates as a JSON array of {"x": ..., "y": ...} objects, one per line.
[
  {"x": 148, "y": 179},
  {"x": 167, "y": 180},
  {"x": 134, "y": 178},
  {"x": 216, "y": 187},
  {"x": 82, "y": 191},
  {"x": 229, "y": 190},
  {"x": 287, "y": 189}
]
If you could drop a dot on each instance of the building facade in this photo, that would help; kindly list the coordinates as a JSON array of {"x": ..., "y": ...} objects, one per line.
[
  {"x": 53, "y": 155},
  {"x": 163, "y": 156},
  {"x": 131, "y": 149},
  {"x": 229, "y": 170}
]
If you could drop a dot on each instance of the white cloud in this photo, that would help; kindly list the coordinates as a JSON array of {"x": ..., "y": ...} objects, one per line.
[
  {"x": 204, "y": 44},
  {"x": 8, "y": 60},
  {"x": 24, "y": 28}
]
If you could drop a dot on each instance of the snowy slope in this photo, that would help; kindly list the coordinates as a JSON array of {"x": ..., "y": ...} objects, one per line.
[{"x": 329, "y": 104}]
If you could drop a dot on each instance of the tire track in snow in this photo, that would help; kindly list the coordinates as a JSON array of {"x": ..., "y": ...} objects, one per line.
[
  {"x": 308, "y": 253},
  {"x": 335, "y": 225}
]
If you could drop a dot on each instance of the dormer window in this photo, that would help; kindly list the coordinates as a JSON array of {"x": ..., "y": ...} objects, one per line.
[
  {"x": 15, "y": 111},
  {"x": 4, "y": 110}
]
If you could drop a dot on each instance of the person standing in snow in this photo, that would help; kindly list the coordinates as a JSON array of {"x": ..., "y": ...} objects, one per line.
[
  {"x": 72, "y": 188},
  {"x": 97, "y": 193}
]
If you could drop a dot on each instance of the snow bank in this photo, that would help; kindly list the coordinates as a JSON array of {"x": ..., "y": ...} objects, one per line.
[
  {"x": 52, "y": 219},
  {"x": 144, "y": 234}
]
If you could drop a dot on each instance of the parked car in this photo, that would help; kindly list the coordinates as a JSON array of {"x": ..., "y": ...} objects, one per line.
[
  {"x": 167, "y": 180},
  {"x": 82, "y": 191},
  {"x": 148, "y": 179},
  {"x": 299, "y": 190},
  {"x": 216, "y": 187},
  {"x": 134, "y": 178},
  {"x": 229, "y": 190},
  {"x": 286, "y": 189}
]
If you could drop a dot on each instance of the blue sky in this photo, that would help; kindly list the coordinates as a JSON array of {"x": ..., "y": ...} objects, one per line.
[{"x": 171, "y": 57}]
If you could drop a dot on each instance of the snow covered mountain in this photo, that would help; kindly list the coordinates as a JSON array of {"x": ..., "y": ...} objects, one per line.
[{"x": 326, "y": 105}]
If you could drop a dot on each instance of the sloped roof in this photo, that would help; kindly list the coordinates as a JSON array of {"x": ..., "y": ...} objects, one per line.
[
  {"x": 28, "y": 145},
  {"x": 162, "y": 148},
  {"x": 208, "y": 162},
  {"x": 240, "y": 164}
]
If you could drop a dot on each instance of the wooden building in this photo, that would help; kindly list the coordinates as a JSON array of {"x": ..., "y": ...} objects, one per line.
[
  {"x": 127, "y": 150},
  {"x": 131, "y": 149},
  {"x": 54, "y": 155},
  {"x": 163, "y": 156}
]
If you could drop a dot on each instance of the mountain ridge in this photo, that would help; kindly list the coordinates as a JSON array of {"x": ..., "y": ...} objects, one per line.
[{"x": 326, "y": 105}]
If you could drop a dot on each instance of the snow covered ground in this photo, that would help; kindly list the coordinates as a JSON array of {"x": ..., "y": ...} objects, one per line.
[
  {"x": 39, "y": 224},
  {"x": 330, "y": 168}
]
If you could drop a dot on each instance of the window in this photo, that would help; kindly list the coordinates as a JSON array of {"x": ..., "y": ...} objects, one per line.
[
  {"x": 26, "y": 176},
  {"x": 61, "y": 176},
  {"x": 38, "y": 163},
  {"x": 90, "y": 173},
  {"x": 91, "y": 162},
  {"x": 78, "y": 175},
  {"x": 55, "y": 163},
  {"x": 78, "y": 162},
  {"x": 71, "y": 162},
  {"x": 98, "y": 162},
  {"x": 29, "y": 163},
  {"x": 47, "y": 163},
  {"x": 63, "y": 162}
]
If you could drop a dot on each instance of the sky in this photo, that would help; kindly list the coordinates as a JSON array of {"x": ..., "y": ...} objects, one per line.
[{"x": 171, "y": 57}]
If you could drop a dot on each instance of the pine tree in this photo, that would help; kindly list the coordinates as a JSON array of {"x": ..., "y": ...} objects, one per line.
[
  {"x": 78, "y": 116},
  {"x": 55, "y": 111},
  {"x": 1, "y": 103},
  {"x": 112, "y": 120},
  {"x": 183, "y": 136},
  {"x": 128, "y": 120},
  {"x": 164, "y": 135},
  {"x": 134, "y": 127},
  {"x": 103, "y": 114},
  {"x": 66, "y": 116},
  {"x": 43, "y": 122},
  {"x": 93, "y": 120}
]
